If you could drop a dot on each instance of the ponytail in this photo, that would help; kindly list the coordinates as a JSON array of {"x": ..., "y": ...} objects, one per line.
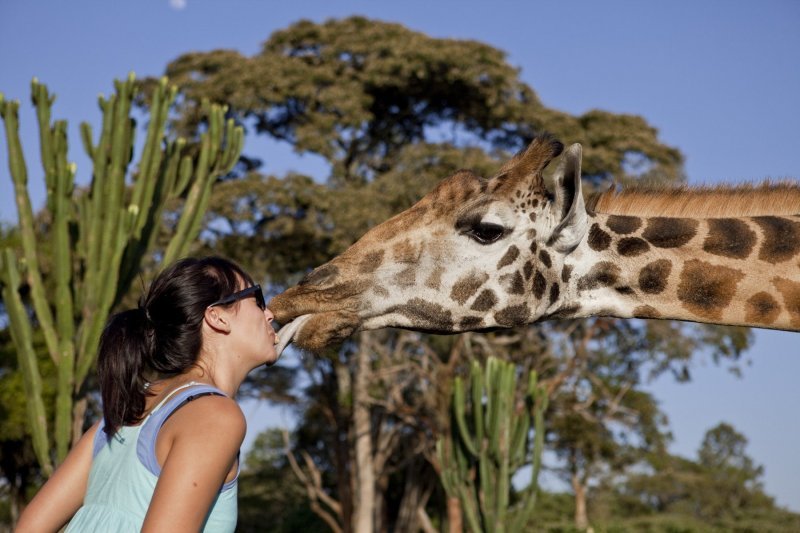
[{"x": 126, "y": 344}]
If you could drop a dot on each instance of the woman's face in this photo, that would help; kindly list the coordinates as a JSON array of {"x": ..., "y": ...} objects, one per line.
[{"x": 253, "y": 334}]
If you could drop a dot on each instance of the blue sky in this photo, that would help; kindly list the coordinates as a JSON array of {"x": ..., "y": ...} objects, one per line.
[{"x": 719, "y": 79}]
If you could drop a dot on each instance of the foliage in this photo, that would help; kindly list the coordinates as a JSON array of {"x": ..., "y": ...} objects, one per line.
[{"x": 357, "y": 91}]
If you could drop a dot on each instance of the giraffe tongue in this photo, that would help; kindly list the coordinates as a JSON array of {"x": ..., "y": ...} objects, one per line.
[{"x": 288, "y": 332}]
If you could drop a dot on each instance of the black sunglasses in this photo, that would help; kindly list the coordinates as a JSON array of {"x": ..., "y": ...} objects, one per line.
[{"x": 255, "y": 290}]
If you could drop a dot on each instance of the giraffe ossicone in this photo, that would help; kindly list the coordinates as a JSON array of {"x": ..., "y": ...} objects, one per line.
[{"x": 478, "y": 253}]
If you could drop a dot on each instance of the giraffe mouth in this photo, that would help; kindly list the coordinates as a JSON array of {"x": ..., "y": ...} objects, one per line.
[
  {"x": 288, "y": 332},
  {"x": 316, "y": 331},
  {"x": 315, "y": 319}
]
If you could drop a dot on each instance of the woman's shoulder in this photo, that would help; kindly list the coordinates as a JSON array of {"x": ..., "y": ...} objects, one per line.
[{"x": 212, "y": 412}]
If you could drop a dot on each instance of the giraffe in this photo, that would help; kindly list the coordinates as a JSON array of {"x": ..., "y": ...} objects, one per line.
[{"x": 477, "y": 254}]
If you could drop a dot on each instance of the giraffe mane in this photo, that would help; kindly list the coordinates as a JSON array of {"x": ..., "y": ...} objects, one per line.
[{"x": 767, "y": 198}]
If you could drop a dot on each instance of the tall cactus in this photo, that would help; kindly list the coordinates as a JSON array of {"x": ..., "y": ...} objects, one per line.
[
  {"x": 98, "y": 236},
  {"x": 489, "y": 442}
]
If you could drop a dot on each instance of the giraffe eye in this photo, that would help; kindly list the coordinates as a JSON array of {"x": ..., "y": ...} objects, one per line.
[{"x": 486, "y": 233}]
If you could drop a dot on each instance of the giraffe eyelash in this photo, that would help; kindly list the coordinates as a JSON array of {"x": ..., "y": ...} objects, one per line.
[{"x": 486, "y": 233}]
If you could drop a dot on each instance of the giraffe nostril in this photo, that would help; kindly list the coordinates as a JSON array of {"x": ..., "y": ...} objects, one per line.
[{"x": 320, "y": 276}]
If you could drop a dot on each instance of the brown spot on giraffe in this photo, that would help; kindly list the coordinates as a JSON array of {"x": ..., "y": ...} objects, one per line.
[
  {"x": 599, "y": 240},
  {"x": 761, "y": 308},
  {"x": 625, "y": 289},
  {"x": 485, "y": 301},
  {"x": 706, "y": 289},
  {"x": 544, "y": 257},
  {"x": 554, "y": 292},
  {"x": 566, "y": 272},
  {"x": 470, "y": 322},
  {"x": 406, "y": 277},
  {"x": 539, "y": 285},
  {"x": 528, "y": 270},
  {"x": 568, "y": 311},
  {"x": 664, "y": 232},
  {"x": 513, "y": 315},
  {"x": 464, "y": 288},
  {"x": 729, "y": 237},
  {"x": 424, "y": 314},
  {"x": 405, "y": 252},
  {"x": 513, "y": 283},
  {"x": 646, "y": 311},
  {"x": 781, "y": 239},
  {"x": 371, "y": 261},
  {"x": 509, "y": 257},
  {"x": 434, "y": 281},
  {"x": 320, "y": 275},
  {"x": 533, "y": 247},
  {"x": 603, "y": 274},
  {"x": 632, "y": 246},
  {"x": 790, "y": 291},
  {"x": 654, "y": 276},
  {"x": 623, "y": 225}
]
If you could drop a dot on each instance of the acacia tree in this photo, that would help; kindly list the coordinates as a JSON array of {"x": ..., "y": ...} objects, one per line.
[{"x": 392, "y": 111}]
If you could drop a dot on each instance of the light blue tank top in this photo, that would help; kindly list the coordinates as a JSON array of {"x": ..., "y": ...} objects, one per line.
[{"x": 125, "y": 471}]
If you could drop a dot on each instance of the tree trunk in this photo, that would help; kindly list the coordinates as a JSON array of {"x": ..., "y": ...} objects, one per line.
[
  {"x": 342, "y": 457},
  {"x": 380, "y": 511},
  {"x": 581, "y": 518},
  {"x": 365, "y": 474}
]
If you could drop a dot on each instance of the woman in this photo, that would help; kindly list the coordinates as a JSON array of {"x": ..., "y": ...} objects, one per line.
[{"x": 165, "y": 455}]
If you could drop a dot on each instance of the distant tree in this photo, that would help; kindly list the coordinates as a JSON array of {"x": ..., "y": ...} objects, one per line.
[
  {"x": 731, "y": 478},
  {"x": 722, "y": 484}
]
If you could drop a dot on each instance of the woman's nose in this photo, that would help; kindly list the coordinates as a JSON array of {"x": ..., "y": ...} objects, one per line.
[{"x": 268, "y": 314}]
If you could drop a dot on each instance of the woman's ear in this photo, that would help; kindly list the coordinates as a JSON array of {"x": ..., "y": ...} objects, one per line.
[{"x": 217, "y": 319}]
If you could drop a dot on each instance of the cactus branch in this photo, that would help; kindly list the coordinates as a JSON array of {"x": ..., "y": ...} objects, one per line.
[
  {"x": 21, "y": 335},
  {"x": 494, "y": 447}
]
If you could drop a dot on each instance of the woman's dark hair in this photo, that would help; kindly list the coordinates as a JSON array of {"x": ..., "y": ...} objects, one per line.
[{"x": 161, "y": 337}]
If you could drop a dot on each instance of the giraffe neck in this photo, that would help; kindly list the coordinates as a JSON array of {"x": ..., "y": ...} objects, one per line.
[{"x": 737, "y": 271}]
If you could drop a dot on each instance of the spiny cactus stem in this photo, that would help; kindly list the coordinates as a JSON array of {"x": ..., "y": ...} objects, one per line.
[
  {"x": 458, "y": 406},
  {"x": 41, "y": 101},
  {"x": 93, "y": 227},
  {"x": 19, "y": 175},
  {"x": 151, "y": 157},
  {"x": 26, "y": 358}
]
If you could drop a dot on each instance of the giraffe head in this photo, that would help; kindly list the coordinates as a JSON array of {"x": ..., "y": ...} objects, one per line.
[{"x": 474, "y": 253}]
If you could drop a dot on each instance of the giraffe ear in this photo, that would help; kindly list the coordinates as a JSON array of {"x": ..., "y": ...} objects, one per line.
[{"x": 568, "y": 206}]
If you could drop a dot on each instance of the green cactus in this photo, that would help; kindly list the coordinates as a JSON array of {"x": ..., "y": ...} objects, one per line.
[
  {"x": 489, "y": 442},
  {"x": 98, "y": 236}
]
